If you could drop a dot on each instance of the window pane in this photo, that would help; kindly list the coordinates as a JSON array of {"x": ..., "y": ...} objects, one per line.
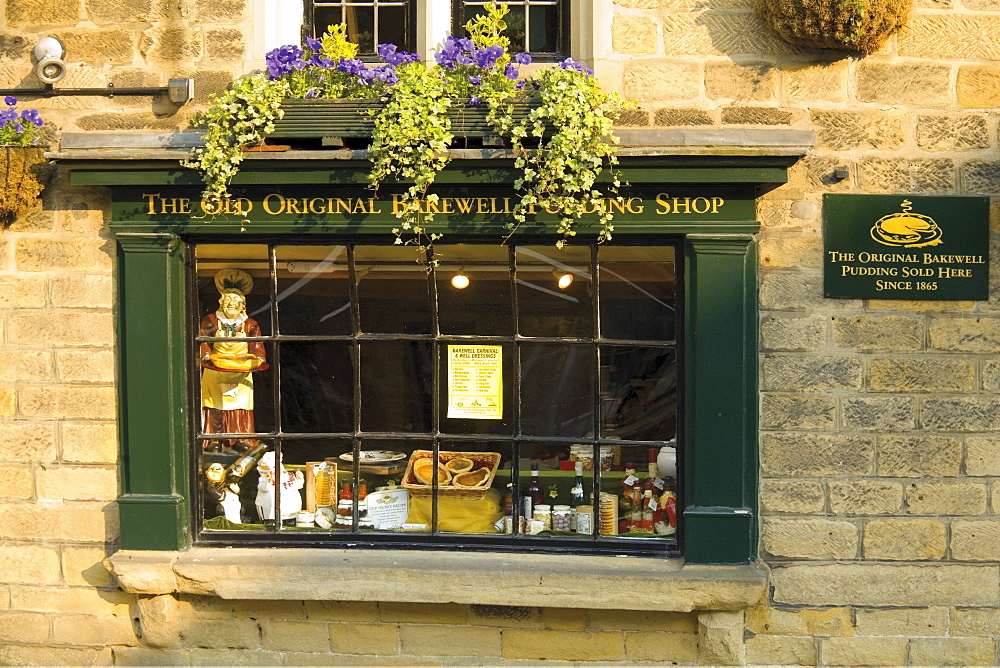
[
  {"x": 393, "y": 25},
  {"x": 543, "y": 28},
  {"x": 320, "y": 461},
  {"x": 638, "y": 293},
  {"x": 477, "y": 380},
  {"x": 317, "y": 386},
  {"x": 640, "y": 489},
  {"x": 384, "y": 502},
  {"x": 360, "y": 22},
  {"x": 638, "y": 393},
  {"x": 397, "y": 381},
  {"x": 547, "y": 476},
  {"x": 229, "y": 487},
  {"x": 235, "y": 267},
  {"x": 483, "y": 306},
  {"x": 234, "y": 401},
  {"x": 557, "y": 389},
  {"x": 472, "y": 487},
  {"x": 313, "y": 290},
  {"x": 554, "y": 291},
  {"x": 392, "y": 291}
]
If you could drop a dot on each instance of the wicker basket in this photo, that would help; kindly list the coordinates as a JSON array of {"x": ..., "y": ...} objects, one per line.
[
  {"x": 24, "y": 173},
  {"x": 490, "y": 460},
  {"x": 835, "y": 24}
]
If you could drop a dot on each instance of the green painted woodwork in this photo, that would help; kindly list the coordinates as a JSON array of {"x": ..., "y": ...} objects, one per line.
[
  {"x": 720, "y": 323},
  {"x": 152, "y": 392}
]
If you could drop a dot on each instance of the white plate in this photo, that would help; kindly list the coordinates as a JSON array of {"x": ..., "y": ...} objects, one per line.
[{"x": 375, "y": 456}]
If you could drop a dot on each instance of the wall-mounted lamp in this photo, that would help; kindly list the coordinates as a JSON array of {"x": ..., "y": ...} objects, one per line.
[
  {"x": 563, "y": 279},
  {"x": 51, "y": 68},
  {"x": 460, "y": 280}
]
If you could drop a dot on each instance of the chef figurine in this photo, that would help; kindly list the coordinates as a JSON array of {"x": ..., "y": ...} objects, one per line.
[
  {"x": 291, "y": 483},
  {"x": 221, "y": 499},
  {"x": 227, "y": 378}
]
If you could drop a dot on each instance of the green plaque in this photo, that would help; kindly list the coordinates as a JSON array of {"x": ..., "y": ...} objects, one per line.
[{"x": 905, "y": 247}]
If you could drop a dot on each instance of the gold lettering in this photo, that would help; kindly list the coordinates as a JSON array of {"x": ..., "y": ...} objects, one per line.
[
  {"x": 716, "y": 203},
  {"x": 706, "y": 206},
  {"x": 398, "y": 204},
  {"x": 316, "y": 208},
  {"x": 661, "y": 200},
  {"x": 281, "y": 204},
  {"x": 481, "y": 204},
  {"x": 464, "y": 204},
  {"x": 151, "y": 200},
  {"x": 635, "y": 205}
]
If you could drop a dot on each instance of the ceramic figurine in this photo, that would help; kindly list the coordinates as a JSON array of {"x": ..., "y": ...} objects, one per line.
[
  {"x": 291, "y": 483},
  {"x": 221, "y": 499}
]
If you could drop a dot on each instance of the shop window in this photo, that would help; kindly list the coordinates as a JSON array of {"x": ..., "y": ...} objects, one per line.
[
  {"x": 369, "y": 22},
  {"x": 514, "y": 397},
  {"x": 539, "y": 27}
]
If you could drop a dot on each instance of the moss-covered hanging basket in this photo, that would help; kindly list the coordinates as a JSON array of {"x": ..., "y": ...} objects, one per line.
[
  {"x": 24, "y": 173},
  {"x": 856, "y": 25}
]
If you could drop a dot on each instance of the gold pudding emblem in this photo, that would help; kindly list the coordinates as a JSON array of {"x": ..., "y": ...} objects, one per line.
[{"x": 906, "y": 229}]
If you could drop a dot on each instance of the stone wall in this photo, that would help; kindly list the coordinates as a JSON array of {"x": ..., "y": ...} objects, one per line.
[{"x": 880, "y": 458}]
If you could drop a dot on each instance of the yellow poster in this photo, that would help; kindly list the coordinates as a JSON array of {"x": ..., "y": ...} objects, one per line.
[{"x": 475, "y": 382}]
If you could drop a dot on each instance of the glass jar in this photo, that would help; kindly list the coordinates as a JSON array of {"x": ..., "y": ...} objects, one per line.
[
  {"x": 561, "y": 516},
  {"x": 543, "y": 513}
]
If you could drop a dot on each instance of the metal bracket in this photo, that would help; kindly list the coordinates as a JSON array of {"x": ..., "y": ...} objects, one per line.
[{"x": 178, "y": 91}]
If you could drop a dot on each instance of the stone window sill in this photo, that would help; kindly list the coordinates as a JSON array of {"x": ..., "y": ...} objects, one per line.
[{"x": 558, "y": 581}]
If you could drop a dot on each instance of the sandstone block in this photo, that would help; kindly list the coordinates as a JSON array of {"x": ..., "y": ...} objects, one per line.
[
  {"x": 82, "y": 522},
  {"x": 26, "y": 442},
  {"x": 781, "y": 651},
  {"x": 244, "y": 634},
  {"x": 633, "y": 118},
  {"x": 22, "y": 292},
  {"x": 563, "y": 619},
  {"x": 764, "y": 620},
  {"x": 918, "y": 456},
  {"x": 378, "y": 639},
  {"x": 904, "y": 540},
  {"x": 225, "y": 44},
  {"x": 104, "y": 46},
  {"x": 562, "y": 645},
  {"x": 975, "y": 622},
  {"x": 952, "y": 652},
  {"x": 89, "y": 442},
  {"x": 844, "y": 130},
  {"x": 341, "y": 611},
  {"x": 634, "y": 35},
  {"x": 811, "y": 373},
  {"x": 293, "y": 636},
  {"x": 757, "y": 116},
  {"x": 791, "y": 496},
  {"x": 793, "y": 333},
  {"x": 720, "y": 638},
  {"x": 171, "y": 44},
  {"x": 159, "y": 621},
  {"x": 919, "y": 176},
  {"x": 213, "y": 10},
  {"x": 939, "y": 374},
  {"x": 86, "y": 366},
  {"x": 84, "y": 566},
  {"x": 108, "y": 12},
  {"x": 270, "y": 609},
  {"x": 662, "y": 80},
  {"x": 117, "y": 121},
  {"x": 76, "y": 483},
  {"x": 90, "y": 630},
  {"x": 151, "y": 656},
  {"x": 862, "y": 651},
  {"x": 798, "y": 411},
  {"x": 27, "y": 627},
  {"x": 946, "y": 498},
  {"x": 952, "y": 133},
  {"x": 979, "y": 335},
  {"x": 60, "y": 327},
  {"x": 921, "y": 85},
  {"x": 30, "y": 564},
  {"x": 810, "y": 539},
  {"x": 238, "y": 657},
  {"x": 26, "y": 365},
  {"x": 811, "y": 82},
  {"x": 47, "y": 254},
  {"x": 978, "y": 86},
  {"x": 879, "y": 413},
  {"x": 76, "y": 600},
  {"x": 38, "y": 13},
  {"x": 975, "y": 540},
  {"x": 635, "y": 620},
  {"x": 671, "y": 116},
  {"x": 16, "y": 482},
  {"x": 880, "y": 332},
  {"x": 976, "y": 175},
  {"x": 208, "y": 82},
  {"x": 84, "y": 212},
  {"x": 721, "y": 33},
  {"x": 820, "y": 171},
  {"x": 81, "y": 402},
  {"x": 965, "y": 414},
  {"x": 789, "y": 454},
  {"x": 800, "y": 252},
  {"x": 424, "y": 640},
  {"x": 982, "y": 456},
  {"x": 865, "y": 497},
  {"x": 13, "y": 46},
  {"x": 952, "y": 36},
  {"x": 868, "y": 584},
  {"x": 206, "y": 607},
  {"x": 902, "y": 622},
  {"x": 797, "y": 291},
  {"x": 39, "y": 655},
  {"x": 423, "y": 613},
  {"x": 740, "y": 81},
  {"x": 679, "y": 648},
  {"x": 8, "y": 398}
]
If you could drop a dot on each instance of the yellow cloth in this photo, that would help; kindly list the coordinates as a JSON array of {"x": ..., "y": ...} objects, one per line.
[{"x": 458, "y": 515}]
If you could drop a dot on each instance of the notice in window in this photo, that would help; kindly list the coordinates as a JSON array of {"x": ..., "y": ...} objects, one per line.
[{"x": 475, "y": 382}]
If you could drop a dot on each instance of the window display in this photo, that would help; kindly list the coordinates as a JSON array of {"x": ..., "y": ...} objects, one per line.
[{"x": 531, "y": 404}]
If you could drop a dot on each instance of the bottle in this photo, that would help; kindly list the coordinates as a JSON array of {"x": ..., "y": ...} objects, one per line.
[
  {"x": 243, "y": 465},
  {"x": 653, "y": 482},
  {"x": 345, "y": 505},
  {"x": 533, "y": 495},
  {"x": 646, "y": 524},
  {"x": 576, "y": 494},
  {"x": 633, "y": 521},
  {"x": 324, "y": 486}
]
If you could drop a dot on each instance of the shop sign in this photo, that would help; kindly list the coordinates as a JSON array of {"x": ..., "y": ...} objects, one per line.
[{"x": 905, "y": 247}]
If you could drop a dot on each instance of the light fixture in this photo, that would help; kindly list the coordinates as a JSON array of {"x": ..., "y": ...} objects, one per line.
[
  {"x": 50, "y": 68},
  {"x": 460, "y": 281},
  {"x": 563, "y": 280}
]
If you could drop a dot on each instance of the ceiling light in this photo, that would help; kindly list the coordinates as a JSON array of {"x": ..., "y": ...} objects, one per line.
[{"x": 460, "y": 281}]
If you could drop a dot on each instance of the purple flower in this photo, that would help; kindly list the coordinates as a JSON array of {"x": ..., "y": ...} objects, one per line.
[
  {"x": 19, "y": 128},
  {"x": 570, "y": 64},
  {"x": 519, "y": 85},
  {"x": 7, "y": 115},
  {"x": 522, "y": 58},
  {"x": 476, "y": 81},
  {"x": 311, "y": 93},
  {"x": 474, "y": 100},
  {"x": 486, "y": 58},
  {"x": 314, "y": 43},
  {"x": 510, "y": 71},
  {"x": 391, "y": 56},
  {"x": 10, "y": 100},
  {"x": 282, "y": 60},
  {"x": 32, "y": 116}
]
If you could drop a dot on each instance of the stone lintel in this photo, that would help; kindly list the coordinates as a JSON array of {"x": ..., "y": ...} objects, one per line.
[{"x": 559, "y": 581}]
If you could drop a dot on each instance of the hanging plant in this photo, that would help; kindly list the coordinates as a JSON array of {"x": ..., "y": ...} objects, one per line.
[
  {"x": 859, "y": 25},
  {"x": 561, "y": 146},
  {"x": 23, "y": 167}
]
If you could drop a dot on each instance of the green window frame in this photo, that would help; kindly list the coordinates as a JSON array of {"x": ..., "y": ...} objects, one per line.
[{"x": 154, "y": 216}]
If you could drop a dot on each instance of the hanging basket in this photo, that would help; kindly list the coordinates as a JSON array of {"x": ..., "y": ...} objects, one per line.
[
  {"x": 25, "y": 172},
  {"x": 854, "y": 25}
]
